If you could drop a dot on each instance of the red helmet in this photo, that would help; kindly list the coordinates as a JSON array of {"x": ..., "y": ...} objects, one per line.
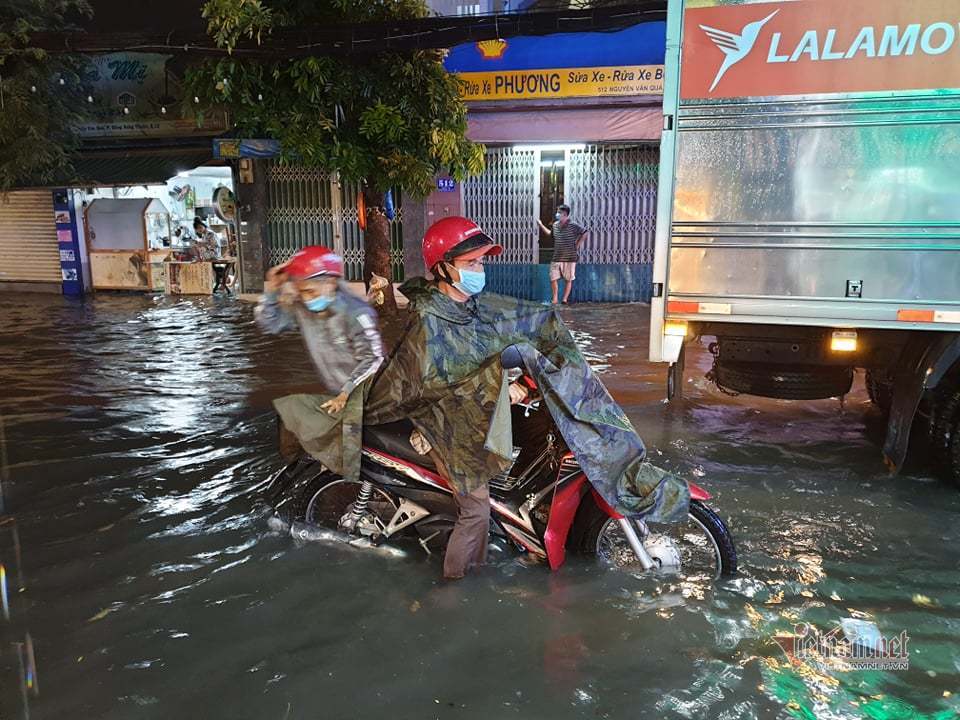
[
  {"x": 314, "y": 261},
  {"x": 456, "y": 237}
]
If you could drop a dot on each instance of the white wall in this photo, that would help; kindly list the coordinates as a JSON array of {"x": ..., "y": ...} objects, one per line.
[
  {"x": 76, "y": 201},
  {"x": 203, "y": 180}
]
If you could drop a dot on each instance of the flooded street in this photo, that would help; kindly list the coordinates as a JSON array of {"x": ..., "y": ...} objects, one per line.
[{"x": 137, "y": 432}]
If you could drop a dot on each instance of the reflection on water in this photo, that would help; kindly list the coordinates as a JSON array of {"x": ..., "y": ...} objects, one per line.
[
  {"x": 598, "y": 361},
  {"x": 19, "y": 684},
  {"x": 138, "y": 430}
]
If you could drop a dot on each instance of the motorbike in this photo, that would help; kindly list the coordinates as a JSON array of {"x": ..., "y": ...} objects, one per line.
[{"x": 543, "y": 505}]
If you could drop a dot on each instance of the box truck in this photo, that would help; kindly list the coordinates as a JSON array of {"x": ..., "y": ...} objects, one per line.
[{"x": 809, "y": 214}]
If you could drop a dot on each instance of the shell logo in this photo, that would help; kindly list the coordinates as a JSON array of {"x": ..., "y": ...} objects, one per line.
[{"x": 492, "y": 49}]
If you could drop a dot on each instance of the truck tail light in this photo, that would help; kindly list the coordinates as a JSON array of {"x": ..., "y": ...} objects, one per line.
[
  {"x": 675, "y": 328},
  {"x": 844, "y": 341}
]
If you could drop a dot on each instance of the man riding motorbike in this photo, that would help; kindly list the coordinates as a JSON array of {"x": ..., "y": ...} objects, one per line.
[
  {"x": 446, "y": 377},
  {"x": 453, "y": 251}
]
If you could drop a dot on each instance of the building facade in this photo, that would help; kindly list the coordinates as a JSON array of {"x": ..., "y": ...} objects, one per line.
[
  {"x": 476, "y": 7},
  {"x": 567, "y": 119}
]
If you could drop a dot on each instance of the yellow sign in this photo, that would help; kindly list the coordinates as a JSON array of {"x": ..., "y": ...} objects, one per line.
[{"x": 562, "y": 83}]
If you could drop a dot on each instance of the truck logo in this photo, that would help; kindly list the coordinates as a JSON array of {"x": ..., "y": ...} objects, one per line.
[
  {"x": 820, "y": 47},
  {"x": 735, "y": 47}
]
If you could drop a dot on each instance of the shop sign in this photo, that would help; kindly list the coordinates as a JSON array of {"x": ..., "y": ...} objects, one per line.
[
  {"x": 136, "y": 95},
  {"x": 233, "y": 148},
  {"x": 615, "y": 81},
  {"x": 813, "y": 47},
  {"x": 627, "y": 62},
  {"x": 151, "y": 128}
]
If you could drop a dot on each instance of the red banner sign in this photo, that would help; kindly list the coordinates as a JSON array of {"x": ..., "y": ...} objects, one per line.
[{"x": 820, "y": 46}]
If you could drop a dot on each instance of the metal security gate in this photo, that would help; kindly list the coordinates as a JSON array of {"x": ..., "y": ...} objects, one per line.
[
  {"x": 503, "y": 202},
  {"x": 612, "y": 190},
  {"x": 28, "y": 238},
  {"x": 309, "y": 207}
]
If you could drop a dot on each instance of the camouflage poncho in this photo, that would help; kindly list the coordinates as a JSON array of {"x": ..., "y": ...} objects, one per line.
[{"x": 446, "y": 376}]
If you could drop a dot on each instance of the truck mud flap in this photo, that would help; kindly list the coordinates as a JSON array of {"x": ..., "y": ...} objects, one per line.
[{"x": 921, "y": 368}]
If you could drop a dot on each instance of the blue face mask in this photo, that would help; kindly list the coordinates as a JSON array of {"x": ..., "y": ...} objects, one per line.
[
  {"x": 318, "y": 304},
  {"x": 471, "y": 282}
]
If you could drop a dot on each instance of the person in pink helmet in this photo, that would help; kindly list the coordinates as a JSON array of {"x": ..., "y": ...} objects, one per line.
[{"x": 338, "y": 328}]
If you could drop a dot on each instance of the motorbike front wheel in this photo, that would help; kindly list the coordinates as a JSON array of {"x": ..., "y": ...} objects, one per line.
[{"x": 700, "y": 546}]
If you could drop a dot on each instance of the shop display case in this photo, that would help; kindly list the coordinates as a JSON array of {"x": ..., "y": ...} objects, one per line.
[{"x": 125, "y": 240}]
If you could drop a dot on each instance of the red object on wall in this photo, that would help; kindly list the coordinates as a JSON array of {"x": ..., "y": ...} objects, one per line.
[{"x": 361, "y": 211}]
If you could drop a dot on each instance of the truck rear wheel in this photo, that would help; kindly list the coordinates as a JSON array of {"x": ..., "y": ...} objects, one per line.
[
  {"x": 953, "y": 470},
  {"x": 783, "y": 382},
  {"x": 880, "y": 389},
  {"x": 945, "y": 432}
]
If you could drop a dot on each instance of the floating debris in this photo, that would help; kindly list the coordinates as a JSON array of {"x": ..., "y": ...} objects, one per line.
[{"x": 924, "y": 601}]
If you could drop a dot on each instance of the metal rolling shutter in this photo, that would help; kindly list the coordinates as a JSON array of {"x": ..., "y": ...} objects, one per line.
[{"x": 28, "y": 237}]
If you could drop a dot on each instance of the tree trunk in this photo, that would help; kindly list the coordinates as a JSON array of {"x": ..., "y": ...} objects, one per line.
[{"x": 376, "y": 247}]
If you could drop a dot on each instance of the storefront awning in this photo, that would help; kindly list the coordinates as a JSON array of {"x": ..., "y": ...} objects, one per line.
[
  {"x": 549, "y": 125},
  {"x": 137, "y": 167}
]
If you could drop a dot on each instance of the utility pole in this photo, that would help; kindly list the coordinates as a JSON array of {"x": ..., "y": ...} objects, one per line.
[{"x": 252, "y": 203}]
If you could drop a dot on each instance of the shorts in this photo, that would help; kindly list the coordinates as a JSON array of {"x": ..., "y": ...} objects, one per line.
[{"x": 565, "y": 270}]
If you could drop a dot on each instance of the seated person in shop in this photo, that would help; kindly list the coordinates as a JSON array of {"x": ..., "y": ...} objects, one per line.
[
  {"x": 338, "y": 328},
  {"x": 208, "y": 247}
]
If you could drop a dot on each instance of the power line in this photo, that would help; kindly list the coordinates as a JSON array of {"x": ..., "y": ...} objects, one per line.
[{"x": 364, "y": 38}]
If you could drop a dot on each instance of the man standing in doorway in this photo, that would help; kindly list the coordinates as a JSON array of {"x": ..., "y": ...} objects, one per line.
[{"x": 567, "y": 239}]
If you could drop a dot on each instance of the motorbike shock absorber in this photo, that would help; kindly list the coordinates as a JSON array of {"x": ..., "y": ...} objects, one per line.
[{"x": 359, "y": 506}]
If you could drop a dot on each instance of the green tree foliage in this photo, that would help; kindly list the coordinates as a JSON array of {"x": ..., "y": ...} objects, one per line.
[
  {"x": 384, "y": 119},
  {"x": 38, "y": 112},
  {"x": 387, "y": 119}
]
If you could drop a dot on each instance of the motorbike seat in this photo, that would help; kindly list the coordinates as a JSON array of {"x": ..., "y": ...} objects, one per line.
[{"x": 394, "y": 439}]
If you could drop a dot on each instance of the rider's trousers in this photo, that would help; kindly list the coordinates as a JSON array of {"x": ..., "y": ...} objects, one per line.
[{"x": 468, "y": 541}]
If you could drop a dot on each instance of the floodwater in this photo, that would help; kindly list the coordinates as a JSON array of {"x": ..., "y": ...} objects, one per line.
[{"x": 138, "y": 429}]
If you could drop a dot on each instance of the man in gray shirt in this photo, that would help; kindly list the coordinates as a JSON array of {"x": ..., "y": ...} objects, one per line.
[{"x": 567, "y": 239}]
